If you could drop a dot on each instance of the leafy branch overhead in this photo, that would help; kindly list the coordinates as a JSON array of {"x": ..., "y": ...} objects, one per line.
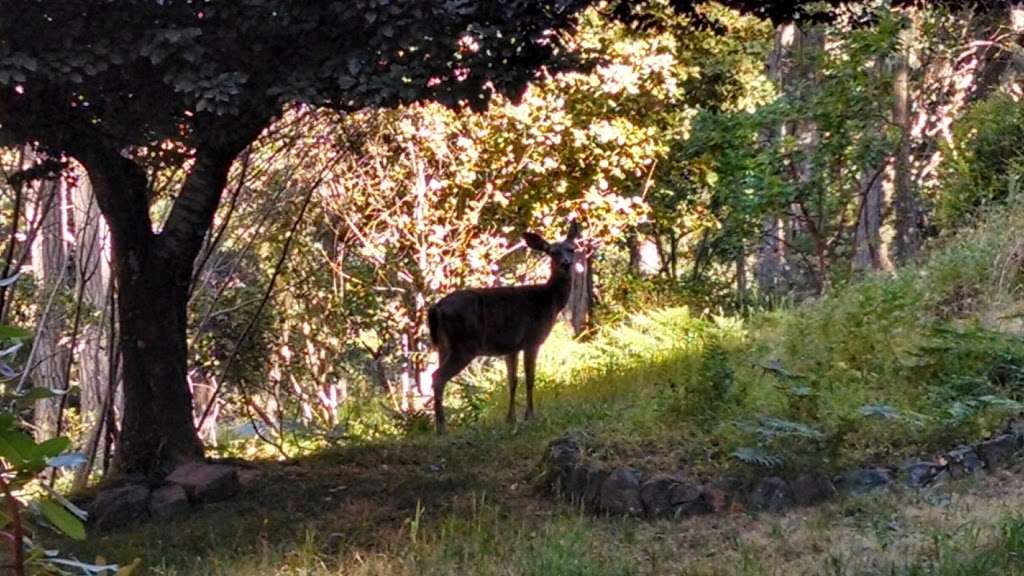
[{"x": 136, "y": 70}]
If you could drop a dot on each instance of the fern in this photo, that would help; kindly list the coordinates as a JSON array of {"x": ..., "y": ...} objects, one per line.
[
  {"x": 771, "y": 427},
  {"x": 1001, "y": 402},
  {"x": 883, "y": 411},
  {"x": 757, "y": 457}
]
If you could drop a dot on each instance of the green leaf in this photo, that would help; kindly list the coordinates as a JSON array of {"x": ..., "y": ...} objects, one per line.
[
  {"x": 13, "y": 333},
  {"x": 37, "y": 394},
  {"x": 16, "y": 447},
  {"x": 51, "y": 448},
  {"x": 62, "y": 519}
]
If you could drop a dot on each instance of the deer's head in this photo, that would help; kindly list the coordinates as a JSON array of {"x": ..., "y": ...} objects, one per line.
[{"x": 561, "y": 253}]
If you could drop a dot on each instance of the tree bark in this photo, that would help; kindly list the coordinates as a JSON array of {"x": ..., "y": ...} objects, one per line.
[
  {"x": 770, "y": 252},
  {"x": 92, "y": 264},
  {"x": 48, "y": 262},
  {"x": 581, "y": 295},
  {"x": 768, "y": 268},
  {"x": 741, "y": 280},
  {"x": 869, "y": 253},
  {"x": 907, "y": 239},
  {"x": 157, "y": 432},
  {"x": 806, "y": 227}
]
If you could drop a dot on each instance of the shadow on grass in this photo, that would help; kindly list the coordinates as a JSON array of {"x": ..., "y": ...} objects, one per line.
[{"x": 367, "y": 495}]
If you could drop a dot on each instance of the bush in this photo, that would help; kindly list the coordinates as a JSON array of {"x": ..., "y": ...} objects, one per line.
[{"x": 985, "y": 164}]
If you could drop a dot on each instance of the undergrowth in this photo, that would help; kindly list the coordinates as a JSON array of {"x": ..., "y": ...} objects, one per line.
[
  {"x": 888, "y": 367},
  {"x": 892, "y": 366}
]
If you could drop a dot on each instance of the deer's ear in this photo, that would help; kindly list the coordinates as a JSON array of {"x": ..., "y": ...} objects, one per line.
[
  {"x": 574, "y": 231},
  {"x": 536, "y": 242}
]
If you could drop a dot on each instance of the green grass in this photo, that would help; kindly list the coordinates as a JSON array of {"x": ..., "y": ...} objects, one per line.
[{"x": 893, "y": 366}]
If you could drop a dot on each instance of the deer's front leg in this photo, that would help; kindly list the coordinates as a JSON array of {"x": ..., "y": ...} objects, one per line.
[
  {"x": 511, "y": 361},
  {"x": 530, "y": 363}
]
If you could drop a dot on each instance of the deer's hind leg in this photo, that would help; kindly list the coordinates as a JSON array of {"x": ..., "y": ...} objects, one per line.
[
  {"x": 451, "y": 364},
  {"x": 530, "y": 367},
  {"x": 511, "y": 361}
]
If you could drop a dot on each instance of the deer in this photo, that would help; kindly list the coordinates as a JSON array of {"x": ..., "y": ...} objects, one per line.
[{"x": 501, "y": 321}]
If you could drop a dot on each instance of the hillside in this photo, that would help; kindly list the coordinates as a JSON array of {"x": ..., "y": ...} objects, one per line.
[{"x": 893, "y": 366}]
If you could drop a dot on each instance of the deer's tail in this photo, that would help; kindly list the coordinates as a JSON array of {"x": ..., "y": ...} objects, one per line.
[{"x": 433, "y": 318}]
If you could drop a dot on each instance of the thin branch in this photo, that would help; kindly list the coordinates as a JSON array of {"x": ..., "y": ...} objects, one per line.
[{"x": 278, "y": 267}]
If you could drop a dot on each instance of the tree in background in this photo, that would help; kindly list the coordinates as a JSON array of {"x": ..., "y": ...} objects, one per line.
[{"x": 838, "y": 171}]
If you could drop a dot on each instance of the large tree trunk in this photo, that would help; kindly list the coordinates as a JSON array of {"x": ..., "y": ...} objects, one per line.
[
  {"x": 92, "y": 271},
  {"x": 807, "y": 226},
  {"x": 869, "y": 251},
  {"x": 48, "y": 263},
  {"x": 157, "y": 432},
  {"x": 768, "y": 268},
  {"x": 770, "y": 253},
  {"x": 908, "y": 237},
  {"x": 152, "y": 274}
]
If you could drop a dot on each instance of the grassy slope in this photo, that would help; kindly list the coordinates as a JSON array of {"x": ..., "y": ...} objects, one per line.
[{"x": 886, "y": 368}]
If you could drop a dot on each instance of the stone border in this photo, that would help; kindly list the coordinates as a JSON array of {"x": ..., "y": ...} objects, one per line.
[
  {"x": 130, "y": 500},
  {"x": 624, "y": 491}
]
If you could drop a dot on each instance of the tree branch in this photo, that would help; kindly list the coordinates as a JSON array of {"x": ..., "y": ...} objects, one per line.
[{"x": 219, "y": 141}]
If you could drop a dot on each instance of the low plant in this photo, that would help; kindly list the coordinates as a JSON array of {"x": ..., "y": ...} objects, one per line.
[{"x": 29, "y": 502}]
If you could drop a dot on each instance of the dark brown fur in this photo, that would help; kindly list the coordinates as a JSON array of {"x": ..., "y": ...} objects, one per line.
[{"x": 500, "y": 322}]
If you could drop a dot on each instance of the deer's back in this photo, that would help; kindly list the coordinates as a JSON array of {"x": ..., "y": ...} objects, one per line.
[{"x": 496, "y": 321}]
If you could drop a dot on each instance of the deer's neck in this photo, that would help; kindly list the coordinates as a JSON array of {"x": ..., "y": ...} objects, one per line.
[{"x": 560, "y": 284}]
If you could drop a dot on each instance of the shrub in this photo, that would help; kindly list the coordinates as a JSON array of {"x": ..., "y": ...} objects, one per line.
[{"x": 985, "y": 164}]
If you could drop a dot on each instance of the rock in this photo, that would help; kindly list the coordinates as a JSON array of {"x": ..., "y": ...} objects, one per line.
[
  {"x": 620, "y": 493},
  {"x": 963, "y": 461},
  {"x": 1016, "y": 429},
  {"x": 687, "y": 500},
  {"x": 206, "y": 482},
  {"x": 121, "y": 506},
  {"x": 595, "y": 478},
  {"x": 168, "y": 502},
  {"x": 720, "y": 496},
  {"x": 578, "y": 480},
  {"x": 860, "y": 482},
  {"x": 921, "y": 474},
  {"x": 122, "y": 480},
  {"x": 997, "y": 452},
  {"x": 771, "y": 494},
  {"x": 812, "y": 488},
  {"x": 562, "y": 456},
  {"x": 656, "y": 495}
]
